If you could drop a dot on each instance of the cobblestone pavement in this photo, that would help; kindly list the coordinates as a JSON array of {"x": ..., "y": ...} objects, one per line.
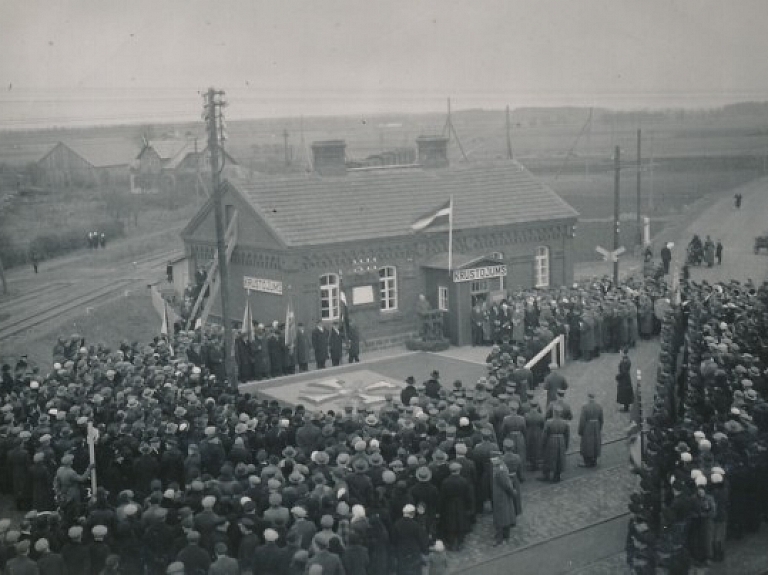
[{"x": 552, "y": 511}]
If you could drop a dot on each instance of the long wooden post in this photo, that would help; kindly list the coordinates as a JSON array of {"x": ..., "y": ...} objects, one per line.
[{"x": 616, "y": 233}]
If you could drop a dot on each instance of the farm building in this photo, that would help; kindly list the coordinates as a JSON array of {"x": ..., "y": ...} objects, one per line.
[
  {"x": 340, "y": 234},
  {"x": 161, "y": 163},
  {"x": 87, "y": 162}
]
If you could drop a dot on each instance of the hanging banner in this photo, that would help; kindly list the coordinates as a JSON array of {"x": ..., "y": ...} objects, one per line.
[
  {"x": 483, "y": 273},
  {"x": 263, "y": 285}
]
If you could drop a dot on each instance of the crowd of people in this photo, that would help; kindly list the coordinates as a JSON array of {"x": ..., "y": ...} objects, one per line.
[
  {"x": 705, "y": 471},
  {"x": 196, "y": 477}
]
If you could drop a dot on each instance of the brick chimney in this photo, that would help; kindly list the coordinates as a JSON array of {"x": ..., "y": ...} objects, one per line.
[
  {"x": 433, "y": 151},
  {"x": 329, "y": 157}
]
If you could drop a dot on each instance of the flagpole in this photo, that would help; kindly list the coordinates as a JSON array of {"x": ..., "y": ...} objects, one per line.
[{"x": 450, "y": 237}]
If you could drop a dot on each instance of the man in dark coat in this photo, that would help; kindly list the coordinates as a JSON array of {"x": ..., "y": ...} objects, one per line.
[
  {"x": 22, "y": 564},
  {"x": 195, "y": 558},
  {"x": 320, "y": 345},
  {"x": 432, "y": 385},
  {"x": 354, "y": 343},
  {"x": 76, "y": 554},
  {"x": 591, "y": 431},
  {"x": 335, "y": 344},
  {"x": 456, "y": 506},
  {"x": 555, "y": 442},
  {"x": 408, "y": 391},
  {"x": 410, "y": 543},
  {"x": 246, "y": 368},
  {"x": 275, "y": 351},
  {"x": 302, "y": 348},
  {"x": 666, "y": 257}
]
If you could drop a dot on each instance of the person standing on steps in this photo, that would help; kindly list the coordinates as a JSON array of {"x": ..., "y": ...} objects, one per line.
[
  {"x": 320, "y": 344},
  {"x": 666, "y": 257}
]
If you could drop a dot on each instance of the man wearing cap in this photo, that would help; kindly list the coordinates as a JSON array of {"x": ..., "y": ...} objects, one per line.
[
  {"x": 303, "y": 529},
  {"x": 503, "y": 497},
  {"x": 330, "y": 562},
  {"x": 194, "y": 557},
  {"x": 591, "y": 431},
  {"x": 410, "y": 542},
  {"x": 224, "y": 564},
  {"x": 523, "y": 378},
  {"x": 67, "y": 485},
  {"x": 554, "y": 382},
  {"x": 48, "y": 562},
  {"x": 76, "y": 554},
  {"x": 456, "y": 505},
  {"x": 555, "y": 439},
  {"x": 409, "y": 391},
  {"x": 99, "y": 548},
  {"x": 22, "y": 564}
]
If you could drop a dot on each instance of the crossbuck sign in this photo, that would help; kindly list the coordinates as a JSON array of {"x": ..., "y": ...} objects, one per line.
[{"x": 610, "y": 256}]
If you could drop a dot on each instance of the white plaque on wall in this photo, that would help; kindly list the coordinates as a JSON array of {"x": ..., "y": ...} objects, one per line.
[{"x": 362, "y": 294}]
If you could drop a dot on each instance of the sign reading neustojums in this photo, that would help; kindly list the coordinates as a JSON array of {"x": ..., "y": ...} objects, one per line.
[
  {"x": 483, "y": 273},
  {"x": 263, "y": 285}
]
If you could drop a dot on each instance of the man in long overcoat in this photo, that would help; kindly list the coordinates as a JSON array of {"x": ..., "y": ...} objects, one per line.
[
  {"x": 591, "y": 431},
  {"x": 457, "y": 506},
  {"x": 554, "y": 382},
  {"x": 302, "y": 348},
  {"x": 410, "y": 543},
  {"x": 320, "y": 345},
  {"x": 335, "y": 344},
  {"x": 555, "y": 441},
  {"x": 534, "y": 429},
  {"x": 503, "y": 499}
]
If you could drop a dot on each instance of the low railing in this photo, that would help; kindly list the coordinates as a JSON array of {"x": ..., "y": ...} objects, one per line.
[{"x": 556, "y": 349}]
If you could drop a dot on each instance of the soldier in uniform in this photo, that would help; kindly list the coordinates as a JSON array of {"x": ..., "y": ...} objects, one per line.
[
  {"x": 591, "y": 431},
  {"x": 555, "y": 439}
]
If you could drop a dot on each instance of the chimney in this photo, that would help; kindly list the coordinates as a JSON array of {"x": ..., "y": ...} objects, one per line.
[
  {"x": 433, "y": 151},
  {"x": 329, "y": 157}
]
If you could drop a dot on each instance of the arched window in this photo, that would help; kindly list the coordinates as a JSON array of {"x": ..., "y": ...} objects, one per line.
[
  {"x": 388, "y": 288},
  {"x": 541, "y": 266},
  {"x": 329, "y": 296}
]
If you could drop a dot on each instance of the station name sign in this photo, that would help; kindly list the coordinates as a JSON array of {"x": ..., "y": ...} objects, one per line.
[
  {"x": 263, "y": 285},
  {"x": 483, "y": 273}
]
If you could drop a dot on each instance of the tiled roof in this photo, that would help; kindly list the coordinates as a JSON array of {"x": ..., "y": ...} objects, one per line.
[
  {"x": 168, "y": 149},
  {"x": 102, "y": 153},
  {"x": 309, "y": 209}
]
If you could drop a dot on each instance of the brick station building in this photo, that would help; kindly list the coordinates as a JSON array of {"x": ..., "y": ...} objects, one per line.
[{"x": 339, "y": 233}]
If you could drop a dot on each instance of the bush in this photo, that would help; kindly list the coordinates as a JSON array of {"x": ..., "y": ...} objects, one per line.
[{"x": 434, "y": 346}]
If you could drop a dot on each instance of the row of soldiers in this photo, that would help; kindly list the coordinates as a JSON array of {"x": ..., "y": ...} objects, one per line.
[
  {"x": 705, "y": 470},
  {"x": 595, "y": 316}
]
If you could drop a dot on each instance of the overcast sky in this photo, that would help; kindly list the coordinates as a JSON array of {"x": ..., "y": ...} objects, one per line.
[{"x": 80, "y": 60}]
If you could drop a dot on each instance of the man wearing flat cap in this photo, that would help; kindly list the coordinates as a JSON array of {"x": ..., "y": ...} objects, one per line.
[
  {"x": 456, "y": 505},
  {"x": 22, "y": 564},
  {"x": 410, "y": 542},
  {"x": 76, "y": 554}
]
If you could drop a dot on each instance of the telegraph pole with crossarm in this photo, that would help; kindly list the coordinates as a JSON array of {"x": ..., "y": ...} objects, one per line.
[{"x": 213, "y": 108}]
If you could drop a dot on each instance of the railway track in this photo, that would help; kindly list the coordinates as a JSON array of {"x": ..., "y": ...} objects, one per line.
[{"x": 56, "y": 308}]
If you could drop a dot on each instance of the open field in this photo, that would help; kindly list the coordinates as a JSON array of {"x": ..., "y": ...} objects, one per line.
[{"x": 686, "y": 156}]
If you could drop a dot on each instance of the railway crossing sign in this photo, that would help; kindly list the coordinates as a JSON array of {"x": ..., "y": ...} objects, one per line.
[{"x": 610, "y": 256}]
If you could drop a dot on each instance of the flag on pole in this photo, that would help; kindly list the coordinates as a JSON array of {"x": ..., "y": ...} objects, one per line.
[
  {"x": 248, "y": 322},
  {"x": 434, "y": 217},
  {"x": 290, "y": 327},
  {"x": 344, "y": 312}
]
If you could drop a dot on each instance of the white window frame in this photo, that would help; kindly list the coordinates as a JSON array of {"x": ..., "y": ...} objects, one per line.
[
  {"x": 330, "y": 287},
  {"x": 388, "y": 288},
  {"x": 541, "y": 267},
  {"x": 442, "y": 298}
]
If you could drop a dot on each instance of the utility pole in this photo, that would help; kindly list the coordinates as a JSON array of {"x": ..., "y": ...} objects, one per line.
[
  {"x": 285, "y": 147},
  {"x": 639, "y": 217},
  {"x": 449, "y": 129},
  {"x": 214, "y": 105},
  {"x": 616, "y": 238},
  {"x": 509, "y": 137}
]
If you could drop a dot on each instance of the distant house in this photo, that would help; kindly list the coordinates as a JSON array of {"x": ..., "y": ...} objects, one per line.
[
  {"x": 87, "y": 162},
  {"x": 161, "y": 163}
]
